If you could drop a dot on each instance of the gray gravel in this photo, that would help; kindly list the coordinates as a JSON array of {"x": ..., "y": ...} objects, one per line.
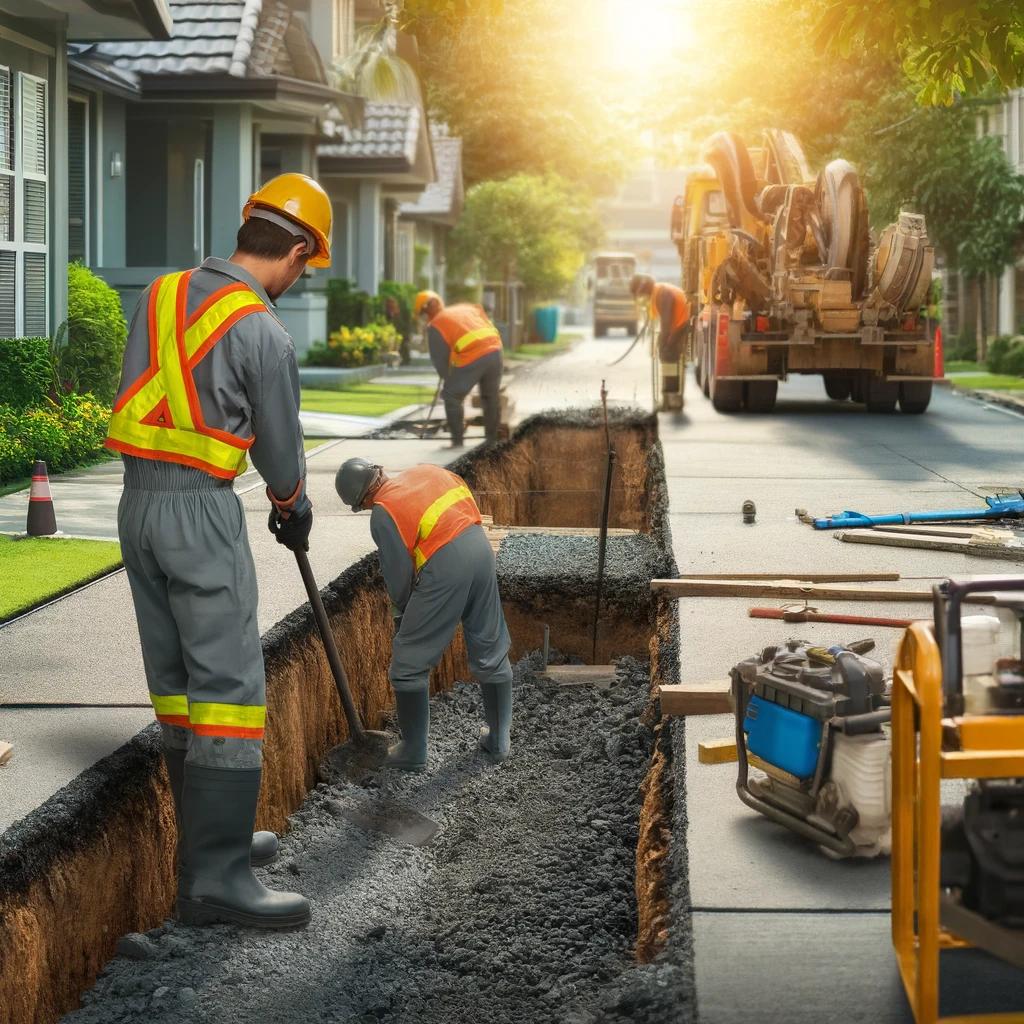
[{"x": 521, "y": 909}]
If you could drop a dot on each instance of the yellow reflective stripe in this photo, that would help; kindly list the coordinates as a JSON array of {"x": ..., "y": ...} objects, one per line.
[
  {"x": 467, "y": 339},
  {"x": 434, "y": 512},
  {"x": 171, "y": 441},
  {"x": 171, "y": 373},
  {"x": 175, "y": 704},
  {"x": 247, "y": 716},
  {"x": 197, "y": 334}
]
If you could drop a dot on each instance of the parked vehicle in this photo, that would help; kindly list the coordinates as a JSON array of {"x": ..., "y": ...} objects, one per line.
[
  {"x": 782, "y": 278},
  {"x": 613, "y": 304}
]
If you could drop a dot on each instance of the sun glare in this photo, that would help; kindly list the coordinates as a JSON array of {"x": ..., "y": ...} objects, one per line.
[{"x": 644, "y": 34}]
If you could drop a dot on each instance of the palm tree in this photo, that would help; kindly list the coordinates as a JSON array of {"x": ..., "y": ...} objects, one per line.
[{"x": 373, "y": 69}]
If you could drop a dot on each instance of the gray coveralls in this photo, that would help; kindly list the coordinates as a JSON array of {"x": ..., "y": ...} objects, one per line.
[
  {"x": 183, "y": 533},
  {"x": 458, "y": 584},
  {"x": 460, "y": 380}
]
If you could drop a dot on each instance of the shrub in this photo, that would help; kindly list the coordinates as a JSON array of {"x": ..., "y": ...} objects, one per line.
[
  {"x": 88, "y": 357},
  {"x": 26, "y": 373},
  {"x": 998, "y": 350},
  {"x": 346, "y": 305},
  {"x": 354, "y": 346},
  {"x": 1013, "y": 361}
]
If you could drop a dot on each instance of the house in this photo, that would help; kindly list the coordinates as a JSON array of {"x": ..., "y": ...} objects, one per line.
[
  {"x": 182, "y": 130},
  {"x": 37, "y": 120},
  {"x": 425, "y": 223}
]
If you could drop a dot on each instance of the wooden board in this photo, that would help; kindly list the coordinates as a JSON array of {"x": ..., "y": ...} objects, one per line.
[
  {"x": 601, "y": 676},
  {"x": 717, "y": 751},
  {"x": 808, "y": 577},
  {"x": 974, "y": 547},
  {"x": 696, "y": 699},
  {"x": 6, "y": 751},
  {"x": 686, "y": 587}
]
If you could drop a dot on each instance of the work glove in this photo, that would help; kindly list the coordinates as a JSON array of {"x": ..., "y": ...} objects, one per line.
[
  {"x": 396, "y": 617},
  {"x": 291, "y": 529}
]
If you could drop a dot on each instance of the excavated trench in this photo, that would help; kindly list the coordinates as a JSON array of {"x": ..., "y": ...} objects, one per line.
[{"x": 555, "y": 888}]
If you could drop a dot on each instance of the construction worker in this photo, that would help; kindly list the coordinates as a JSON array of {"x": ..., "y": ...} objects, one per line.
[
  {"x": 438, "y": 567},
  {"x": 210, "y": 375},
  {"x": 668, "y": 305},
  {"x": 465, "y": 348}
]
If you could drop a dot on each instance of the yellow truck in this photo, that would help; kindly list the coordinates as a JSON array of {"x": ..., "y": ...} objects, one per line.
[{"x": 783, "y": 277}]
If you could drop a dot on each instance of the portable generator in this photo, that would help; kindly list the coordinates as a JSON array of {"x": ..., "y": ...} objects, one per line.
[{"x": 813, "y": 722}]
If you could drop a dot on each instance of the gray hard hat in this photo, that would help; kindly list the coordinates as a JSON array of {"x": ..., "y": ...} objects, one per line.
[{"x": 354, "y": 479}]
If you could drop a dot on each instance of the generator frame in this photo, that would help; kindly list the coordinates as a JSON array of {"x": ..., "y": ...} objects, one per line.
[{"x": 927, "y": 748}]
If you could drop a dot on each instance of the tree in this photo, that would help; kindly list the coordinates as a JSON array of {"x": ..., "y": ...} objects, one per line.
[
  {"x": 534, "y": 229},
  {"x": 948, "y": 47}
]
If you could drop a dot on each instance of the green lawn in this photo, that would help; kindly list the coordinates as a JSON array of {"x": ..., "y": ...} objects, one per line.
[
  {"x": 365, "y": 399},
  {"x": 963, "y": 366},
  {"x": 35, "y": 569},
  {"x": 543, "y": 349},
  {"x": 989, "y": 382}
]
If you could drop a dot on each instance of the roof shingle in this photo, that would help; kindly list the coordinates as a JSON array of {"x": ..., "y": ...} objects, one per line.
[
  {"x": 390, "y": 130},
  {"x": 442, "y": 198}
]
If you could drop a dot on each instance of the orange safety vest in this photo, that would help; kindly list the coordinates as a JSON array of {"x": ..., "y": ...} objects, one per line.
[
  {"x": 680, "y": 307},
  {"x": 159, "y": 416},
  {"x": 467, "y": 332},
  {"x": 430, "y": 507}
]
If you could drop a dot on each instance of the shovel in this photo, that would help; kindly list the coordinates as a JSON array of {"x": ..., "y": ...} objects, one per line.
[{"x": 365, "y": 750}]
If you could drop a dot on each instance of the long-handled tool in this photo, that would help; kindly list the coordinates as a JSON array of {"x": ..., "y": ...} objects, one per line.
[
  {"x": 1002, "y": 507},
  {"x": 633, "y": 344},
  {"x": 424, "y": 426},
  {"x": 805, "y": 614},
  {"x": 365, "y": 749},
  {"x": 602, "y": 543}
]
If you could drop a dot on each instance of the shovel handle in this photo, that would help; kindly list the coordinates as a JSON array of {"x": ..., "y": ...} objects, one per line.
[{"x": 355, "y": 726}]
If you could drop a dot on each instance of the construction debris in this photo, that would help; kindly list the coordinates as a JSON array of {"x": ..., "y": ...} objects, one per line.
[
  {"x": 982, "y": 542},
  {"x": 601, "y": 676},
  {"x": 717, "y": 751}
]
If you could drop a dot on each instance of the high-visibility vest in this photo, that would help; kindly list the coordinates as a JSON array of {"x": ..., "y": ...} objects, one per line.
[
  {"x": 159, "y": 416},
  {"x": 680, "y": 307},
  {"x": 467, "y": 332},
  {"x": 430, "y": 507}
]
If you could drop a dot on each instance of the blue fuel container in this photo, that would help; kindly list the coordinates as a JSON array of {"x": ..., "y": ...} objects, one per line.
[{"x": 782, "y": 737}]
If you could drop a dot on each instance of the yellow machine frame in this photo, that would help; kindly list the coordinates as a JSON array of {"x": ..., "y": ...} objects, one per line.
[{"x": 919, "y": 763}]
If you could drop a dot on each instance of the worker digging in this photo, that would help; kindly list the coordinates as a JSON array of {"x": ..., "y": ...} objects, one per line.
[
  {"x": 668, "y": 307},
  {"x": 465, "y": 349},
  {"x": 439, "y": 570},
  {"x": 210, "y": 376}
]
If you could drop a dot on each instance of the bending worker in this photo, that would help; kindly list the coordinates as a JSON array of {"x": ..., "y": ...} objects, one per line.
[
  {"x": 439, "y": 570},
  {"x": 465, "y": 348},
  {"x": 667, "y": 305},
  {"x": 209, "y": 375}
]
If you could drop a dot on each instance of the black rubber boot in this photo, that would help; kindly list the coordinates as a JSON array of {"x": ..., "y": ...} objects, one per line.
[
  {"x": 413, "y": 708},
  {"x": 265, "y": 845},
  {"x": 494, "y": 736},
  {"x": 215, "y": 879}
]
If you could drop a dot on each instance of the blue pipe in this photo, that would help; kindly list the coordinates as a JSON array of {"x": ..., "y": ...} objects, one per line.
[{"x": 998, "y": 508}]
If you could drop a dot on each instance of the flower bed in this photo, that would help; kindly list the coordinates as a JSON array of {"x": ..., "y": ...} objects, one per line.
[{"x": 355, "y": 346}]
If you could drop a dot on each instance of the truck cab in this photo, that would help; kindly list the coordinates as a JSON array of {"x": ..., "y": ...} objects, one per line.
[{"x": 613, "y": 303}]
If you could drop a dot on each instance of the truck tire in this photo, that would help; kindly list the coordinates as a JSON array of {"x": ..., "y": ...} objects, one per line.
[
  {"x": 600, "y": 328},
  {"x": 880, "y": 395},
  {"x": 760, "y": 395},
  {"x": 632, "y": 328},
  {"x": 726, "y": 395},
  {"x": 915, "y": 396},
  {"x": 837, "y": 386}
]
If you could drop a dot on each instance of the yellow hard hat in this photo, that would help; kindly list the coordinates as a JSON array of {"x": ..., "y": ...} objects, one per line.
[
  {"x": 302, "y": 200},
  {"x": 422, "y": 298}
]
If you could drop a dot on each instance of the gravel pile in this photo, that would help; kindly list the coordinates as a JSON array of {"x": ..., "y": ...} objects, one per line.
[{"x": 520, "y": 909}]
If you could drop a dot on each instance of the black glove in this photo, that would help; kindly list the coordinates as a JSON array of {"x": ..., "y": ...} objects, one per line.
[{"x": 291, "y": 531}]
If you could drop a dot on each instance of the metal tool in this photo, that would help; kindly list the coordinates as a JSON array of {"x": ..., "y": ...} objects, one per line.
[
  {"x": 1001, "y": 507},
  {"x": 805, "y": 613},
  {"x": 602, "y": 541},
  {"x": 424, "y": 425},
  {"x": 365, "y": 749},
  {"x": 633, "y": 343}
]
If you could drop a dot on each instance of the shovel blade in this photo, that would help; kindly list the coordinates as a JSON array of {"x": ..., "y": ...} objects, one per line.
[
  {"x": 354, "y": 760},
  {"x": 394, "y": 819}
]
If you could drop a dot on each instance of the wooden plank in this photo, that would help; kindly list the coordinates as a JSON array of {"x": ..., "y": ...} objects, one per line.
[
  {"x": 921, "y": 542},
  {"x": 808, "y": 577},
  {"x": 6, "y": 752},
  {"x": 717, "y": 751},
  {"x": 696, "y": 699},
  {"x": 686, "y": 587},
  {"x": 565, "y": 531},
  {"x": 601, "y": 676}
]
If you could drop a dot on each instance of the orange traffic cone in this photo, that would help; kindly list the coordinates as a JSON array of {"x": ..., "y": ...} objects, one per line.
[{"x": 41, "y": 519}]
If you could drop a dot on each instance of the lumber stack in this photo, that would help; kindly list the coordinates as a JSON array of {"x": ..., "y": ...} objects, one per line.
[{"x": 979, "y": 541}]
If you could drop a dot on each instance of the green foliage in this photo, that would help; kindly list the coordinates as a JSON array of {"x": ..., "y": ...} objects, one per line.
[
  {"x": 534, "y": 229},
  {"x": 355, "y": 346},
  {"x": 25, "y": 371},
  {"x": 1006, "y": 355},
  {"x": 87, "y": 356},
  {"x": 347, "y": 306},
  {"x": 63, "y": 434},
  {"x": 948, "y": 49}
]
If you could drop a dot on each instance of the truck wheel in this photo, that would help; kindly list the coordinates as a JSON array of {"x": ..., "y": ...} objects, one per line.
[
  {"x": 881, "y": 395},
  {"x": 858, "y": 388},
  {"x": 760, "y": 395},
  {"x": 837, "y": 386},
  {"x": 600, "y": 330},
  {"x": 915, "y": 396},
  {"x": 632, "y": 328},
  {"x": 726, "y": 395}
]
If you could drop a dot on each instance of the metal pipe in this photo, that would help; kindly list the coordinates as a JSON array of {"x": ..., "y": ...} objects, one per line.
[{"x": 602, "y": 540}]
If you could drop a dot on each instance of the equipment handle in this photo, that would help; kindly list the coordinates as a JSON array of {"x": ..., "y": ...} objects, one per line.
[{"x": 355, "y": 726}]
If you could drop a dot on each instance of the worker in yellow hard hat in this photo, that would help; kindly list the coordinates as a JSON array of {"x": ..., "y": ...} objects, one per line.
[
  {"x": 209, "y": 377},
  {"x": 465, "y": 348}
]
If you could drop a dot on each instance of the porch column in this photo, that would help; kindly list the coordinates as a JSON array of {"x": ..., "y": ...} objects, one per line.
[
  {"x": 1008, "y": 301},
  {"x": 57, "y": 165},
  {"x": 371, "y": 244},
  {"x": 231, "y": 179}
]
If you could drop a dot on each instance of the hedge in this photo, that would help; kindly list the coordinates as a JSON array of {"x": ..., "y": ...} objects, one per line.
[
  {"x": 1006, "y": 355},
  {"x": 63, "y": 434},
  {"x": 26, "y": 372}
]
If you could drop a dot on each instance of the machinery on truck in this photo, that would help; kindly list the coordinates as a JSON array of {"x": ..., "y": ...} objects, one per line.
[
  {"x": 783, "y": 277},
  {"x": 613, "y": 303}
]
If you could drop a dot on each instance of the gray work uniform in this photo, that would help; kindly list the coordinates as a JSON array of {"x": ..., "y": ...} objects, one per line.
[
  {"x": 183, "y": 533},
  {"x": 457, "y": 584},
  {"x": 460, "y": 380}
]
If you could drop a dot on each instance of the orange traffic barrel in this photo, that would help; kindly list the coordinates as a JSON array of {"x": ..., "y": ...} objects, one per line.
[{"x": 41, "y": 519}]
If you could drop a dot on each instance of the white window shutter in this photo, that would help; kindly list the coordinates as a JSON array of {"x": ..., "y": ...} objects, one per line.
[
  {"x": 6, "y": 121},
  {"x": 33, "y": 125},
  {"x": 35, "y": 295},
  {"x": 8, "y": 325}
]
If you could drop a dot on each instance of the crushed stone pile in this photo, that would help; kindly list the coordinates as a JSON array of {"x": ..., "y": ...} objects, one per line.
[{"x": 520, "y": 909}]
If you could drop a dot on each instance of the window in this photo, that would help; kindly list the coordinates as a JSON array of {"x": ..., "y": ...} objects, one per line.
[
  {"x": 78, "y": 179},
  {"x": 24, "y": 205}
]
